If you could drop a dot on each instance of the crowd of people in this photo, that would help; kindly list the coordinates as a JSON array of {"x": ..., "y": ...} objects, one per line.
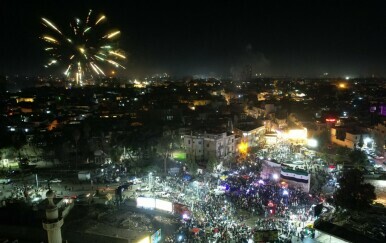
[{"x": 219, "y": 217}]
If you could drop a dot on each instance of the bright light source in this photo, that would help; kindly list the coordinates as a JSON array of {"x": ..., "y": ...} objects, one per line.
[
  {"x": 297, "y": 134},
  {"x": 313, "y": 143},
  {"x": 243, "y": 147},
  {"x": 275, "y": 176},
  {"x": 367, "y": 140},
  {"x": 347, "y": 77},
  {"x": 180, "y": 238},
  {"x": 145, "y": 240},
  {"x": 285, "y": 193}
]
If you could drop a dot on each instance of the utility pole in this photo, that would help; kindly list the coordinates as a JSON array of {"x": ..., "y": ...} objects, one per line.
[{"x": 150, "y": 180}]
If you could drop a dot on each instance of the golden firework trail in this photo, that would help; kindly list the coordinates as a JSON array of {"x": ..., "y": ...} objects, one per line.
[{"x": 80, "y": 51}]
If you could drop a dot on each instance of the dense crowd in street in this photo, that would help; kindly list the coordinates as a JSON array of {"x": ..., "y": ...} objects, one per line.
[
  {"x": 218, "y": 217},
  {"x": 272, "y": 206}
]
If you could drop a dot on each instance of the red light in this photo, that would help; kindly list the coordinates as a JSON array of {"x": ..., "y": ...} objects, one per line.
[{"x": 330, "y": 120}]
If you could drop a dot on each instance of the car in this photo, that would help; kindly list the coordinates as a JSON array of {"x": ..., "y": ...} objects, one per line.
[
  {"x": 84, "y": 197},
  {"x": 165, "y": 194},
  {"x": 5, "y": 181},
  {"x": 134, "y": 180},
  {"x": 56, "y": 180},
  {"x": 162, "y": 194},
  {"x": 380, "y": 169},
  {"x": 143, "y": 188}
]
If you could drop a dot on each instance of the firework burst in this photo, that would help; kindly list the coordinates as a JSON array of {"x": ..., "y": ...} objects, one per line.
[{"x": 85, "y": 50}]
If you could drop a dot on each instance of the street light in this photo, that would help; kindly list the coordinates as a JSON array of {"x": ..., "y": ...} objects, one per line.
[{"x": 275, "y": 176}]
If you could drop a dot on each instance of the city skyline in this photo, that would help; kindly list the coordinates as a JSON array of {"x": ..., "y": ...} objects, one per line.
[{"x": 280, "y": 38}]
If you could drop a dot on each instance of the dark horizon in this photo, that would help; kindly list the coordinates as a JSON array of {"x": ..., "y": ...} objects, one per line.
[{"x": 280, "y": 38}]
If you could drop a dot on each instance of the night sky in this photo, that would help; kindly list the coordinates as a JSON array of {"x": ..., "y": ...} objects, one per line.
[{"x": 296, "y": 38}]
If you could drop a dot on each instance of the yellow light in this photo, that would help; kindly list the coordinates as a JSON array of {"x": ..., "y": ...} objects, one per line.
[
  {"x": 117, "y": 54},
  {"x": 100, "y": 19},
  {"x": 51, "y": 25},
  {"x": 111, "y": 35},
  {"x": 113, "y": 72},
  {"x": 297, "y": 134},
  {"x": 50, "y": 39},
  {"x": 144, "y": 240},
  {"x": 81, "y": 50},
  {"x": 342, "y": 85},
  {"x": 243, "y": 147}
]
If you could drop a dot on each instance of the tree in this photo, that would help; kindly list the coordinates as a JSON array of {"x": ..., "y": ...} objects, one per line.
[
  {"x": 353, "y": 193},
  {"x": 361, "y": 142},
  {"x": 323, "y": 139},
  {"x": 30, "y": 151},
  {"x": 357, "y": 157},
  {"x": 379, "y": 142},
  {"x": 212, "y": 163},
  {"x": 8, "y": 153},
  {"x": 164, "y": 147},
  {"x": 116, "y": 153},
  {"x": 192, "y": 167},
  {"x": 342, "y": 153}
]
